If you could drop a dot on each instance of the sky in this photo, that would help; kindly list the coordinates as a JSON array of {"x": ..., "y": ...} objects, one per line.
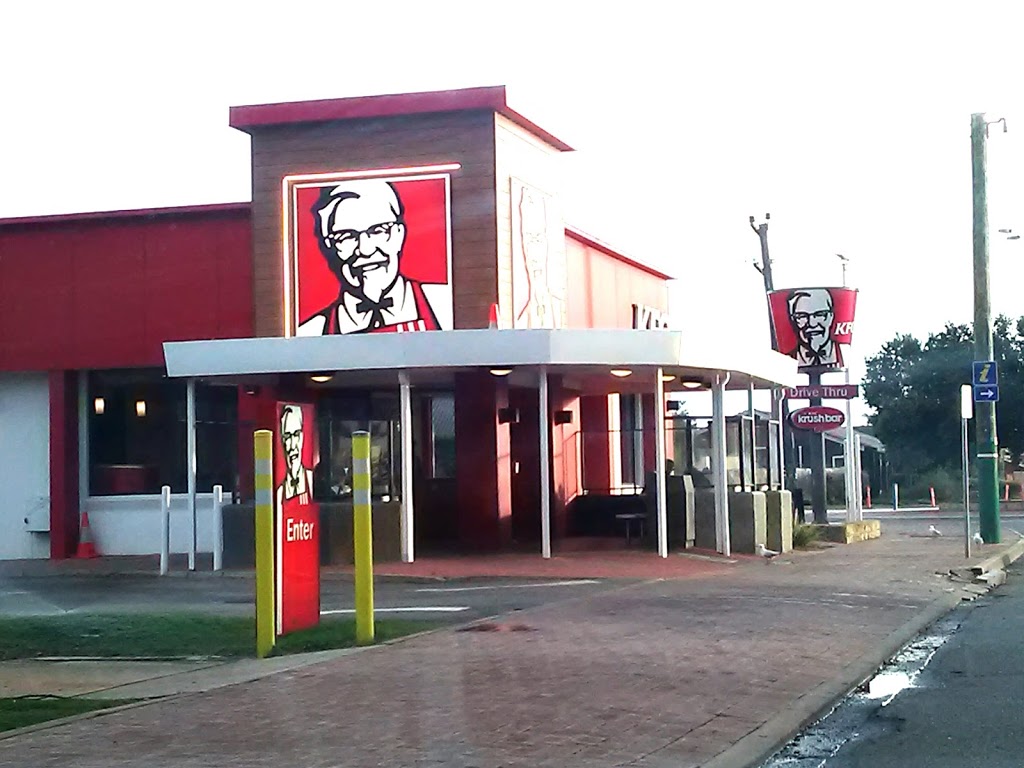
[{"x": 849, "y": 123}]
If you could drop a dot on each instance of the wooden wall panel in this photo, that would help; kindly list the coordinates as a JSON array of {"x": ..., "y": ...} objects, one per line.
[{"x": 466, "y": 138}]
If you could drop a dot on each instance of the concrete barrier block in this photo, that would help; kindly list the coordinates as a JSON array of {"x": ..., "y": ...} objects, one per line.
[
  {"x": 748, "y": 524},
  {"x": 779, "y": 511},
  {"x": 849, "y": 533}
]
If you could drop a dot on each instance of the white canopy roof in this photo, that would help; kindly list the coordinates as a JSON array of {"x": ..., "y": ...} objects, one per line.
[{"x": 569, "y": 351}]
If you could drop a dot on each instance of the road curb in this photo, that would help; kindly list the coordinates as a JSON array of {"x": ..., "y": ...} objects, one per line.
[
  {"x": 760, "y": 744},
  {"x": 999, "y": 561}
]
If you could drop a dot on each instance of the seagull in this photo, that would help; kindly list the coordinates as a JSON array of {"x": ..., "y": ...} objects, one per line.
[
  {"x": 767, "y": 554},
  {"x": 977, "y": 538},
  {"x": 933, "y": 531}
]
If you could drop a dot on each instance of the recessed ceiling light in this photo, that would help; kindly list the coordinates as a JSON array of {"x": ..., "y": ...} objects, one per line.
[
  {"x": 322, "y": 378},
  {"x": 667, "y": 377},
  {"x": 621, "y": 372},
  {"x": 692, "y": 384},
  {"x": 500, "y": 371}
]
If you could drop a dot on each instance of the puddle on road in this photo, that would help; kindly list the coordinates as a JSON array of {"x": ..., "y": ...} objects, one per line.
[{"x": 857, "y": 715}]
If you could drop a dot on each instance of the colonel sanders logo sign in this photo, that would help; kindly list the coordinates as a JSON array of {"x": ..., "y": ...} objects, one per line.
[
  {"x": 368, "y": 255},
  {"x": 811, "y": 324}
]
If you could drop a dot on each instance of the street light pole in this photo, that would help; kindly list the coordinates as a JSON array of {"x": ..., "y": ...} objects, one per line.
[{"x": 987, "y": 463}]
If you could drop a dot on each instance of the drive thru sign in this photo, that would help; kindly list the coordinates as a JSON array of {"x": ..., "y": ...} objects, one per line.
[{"x": 985, "y": 378}]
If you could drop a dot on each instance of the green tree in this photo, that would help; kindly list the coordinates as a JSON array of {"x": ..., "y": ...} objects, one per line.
[{"x": 914, "y": 389}]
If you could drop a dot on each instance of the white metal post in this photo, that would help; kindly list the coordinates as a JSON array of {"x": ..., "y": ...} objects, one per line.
[
  {"x": 850, "y": 464},
  {"x": 661, "y": 501},
  {"x": 752, "y": 448},
  {"x": 218, "y": 527},
  {"x": 718, "y": 460},
  {"x": 780, "y": 441},
  {"x": 405, "y": 428},
  {"x": 190, "y": 417},
  {"x": 966, "y": 412},
  {"x": 165, "y": 529},
  {"x": 545, "y": 465},
  {"x": 858, "y": 480}
]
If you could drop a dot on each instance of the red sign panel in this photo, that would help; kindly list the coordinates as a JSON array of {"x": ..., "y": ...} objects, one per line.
[
  {"x": 811, "y": 324},
  {"x": 297, "y": 519},
  {"x": 817, "y": 418},
  {"x": 369, "y": 253},
  {"x": 823, "y": 392}
]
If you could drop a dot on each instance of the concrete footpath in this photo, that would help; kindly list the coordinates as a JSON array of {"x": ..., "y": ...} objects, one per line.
[{"x": 714, "y": 669}]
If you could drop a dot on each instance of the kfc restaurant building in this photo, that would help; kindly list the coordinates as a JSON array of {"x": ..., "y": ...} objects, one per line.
[{"x": 404, "y": 268}]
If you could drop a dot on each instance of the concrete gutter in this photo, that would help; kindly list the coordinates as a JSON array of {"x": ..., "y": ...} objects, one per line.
[{"x": 760, "y": 744}]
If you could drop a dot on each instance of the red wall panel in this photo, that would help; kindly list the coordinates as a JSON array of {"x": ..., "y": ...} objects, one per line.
[
  {"x": 108, "y": 291},
  {"x": 605, "y": 288}
]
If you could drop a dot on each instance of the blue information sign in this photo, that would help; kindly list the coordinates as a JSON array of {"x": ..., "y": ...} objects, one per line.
[
  {"x": 985, "y": 373},
  {"x": 986, "y": 394},
  {"x": 985, "y": 381}
]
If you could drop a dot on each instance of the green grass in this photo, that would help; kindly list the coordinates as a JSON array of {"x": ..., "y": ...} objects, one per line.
[
  {"x": 166, "y": 635},
  {"x": 28, "y": 710}
]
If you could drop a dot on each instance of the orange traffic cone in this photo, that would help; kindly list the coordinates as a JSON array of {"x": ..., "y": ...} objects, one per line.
[
  {"x": 492, "y": 320},
  {"x": 86, "y": 548}
]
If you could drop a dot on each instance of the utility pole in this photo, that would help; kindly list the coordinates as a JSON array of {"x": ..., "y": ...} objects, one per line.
[
  {"x": 765, "y": 268},
  {"x": 987, "y": 462}
]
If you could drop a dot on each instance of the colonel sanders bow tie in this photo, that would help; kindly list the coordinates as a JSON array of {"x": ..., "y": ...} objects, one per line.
[{"x": 376, "y": 310}]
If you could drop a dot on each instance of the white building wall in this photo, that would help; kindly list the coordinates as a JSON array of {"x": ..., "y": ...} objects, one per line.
[
  {"x": 130, "y": 525},
  {"x": 24, "y": 466}
]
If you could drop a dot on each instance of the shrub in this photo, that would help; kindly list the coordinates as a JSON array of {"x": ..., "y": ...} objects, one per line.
[
  {"x": 804, "y": 535},
  {"x": 946, "y": 483}
]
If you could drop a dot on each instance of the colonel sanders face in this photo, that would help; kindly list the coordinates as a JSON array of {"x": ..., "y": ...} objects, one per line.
[
  {"x": 291, "y": 440},
  {"x": 362, "y": 231},
  {"x": 812, "y": 316}
]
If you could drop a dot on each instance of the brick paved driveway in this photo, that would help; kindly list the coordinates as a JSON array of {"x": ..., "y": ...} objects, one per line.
[{"x": 664, "y": 673}]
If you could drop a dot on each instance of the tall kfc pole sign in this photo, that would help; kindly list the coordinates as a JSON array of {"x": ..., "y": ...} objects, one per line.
[
  {"x": 296, "y": 519},
  {"x": 812, "y": 325}
]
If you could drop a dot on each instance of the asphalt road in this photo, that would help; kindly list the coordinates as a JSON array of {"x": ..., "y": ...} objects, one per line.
[
  {"x": 460, "y": 600},
  {"x": 961, "y": 707}
]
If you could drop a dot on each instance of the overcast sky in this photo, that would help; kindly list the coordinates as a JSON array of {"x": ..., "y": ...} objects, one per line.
[{"x": 850, "y": 126}]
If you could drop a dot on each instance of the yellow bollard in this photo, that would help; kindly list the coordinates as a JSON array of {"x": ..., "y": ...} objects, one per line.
[
  {"x": 363, "y": 536},
  {"x": 266, "y": 625}
]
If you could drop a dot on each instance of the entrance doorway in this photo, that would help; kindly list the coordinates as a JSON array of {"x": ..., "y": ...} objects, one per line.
[{"x": 433, "y": 448}]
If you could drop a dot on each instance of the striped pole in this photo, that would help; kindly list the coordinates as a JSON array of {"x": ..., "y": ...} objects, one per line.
[
  {"x": 264, "y": 474},
  {"x": 363, "y": 536}
]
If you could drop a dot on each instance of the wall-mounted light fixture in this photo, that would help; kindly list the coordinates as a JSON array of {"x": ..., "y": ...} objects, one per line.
[
  {"x": 140, "y": 408},
  {"x": 99, "y": 405},
  {"x": 321, "y": 378},
  {"x": 621, "y": 372},
  {"x": 508, "y": 415},
  {"x": 500, "y": 371}
]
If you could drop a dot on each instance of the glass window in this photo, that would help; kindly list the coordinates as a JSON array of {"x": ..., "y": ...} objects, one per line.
[
  {"x": 340, "y": 416},
  {"x": 442, "y": 439},
  {"x": 732, "y": 453},
  {"x": 137, "y": 434}
]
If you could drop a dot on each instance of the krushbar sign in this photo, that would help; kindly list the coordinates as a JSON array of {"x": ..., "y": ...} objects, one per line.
[{"x": 817, "y": 418}]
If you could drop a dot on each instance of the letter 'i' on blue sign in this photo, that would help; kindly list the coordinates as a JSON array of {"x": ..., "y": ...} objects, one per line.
[{"x": 985, "y": 378}]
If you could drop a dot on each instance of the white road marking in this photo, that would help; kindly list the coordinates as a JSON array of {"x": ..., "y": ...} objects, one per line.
[
  {"x": 407, "y": 609},
  {"x": 573, "y": 583}
]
